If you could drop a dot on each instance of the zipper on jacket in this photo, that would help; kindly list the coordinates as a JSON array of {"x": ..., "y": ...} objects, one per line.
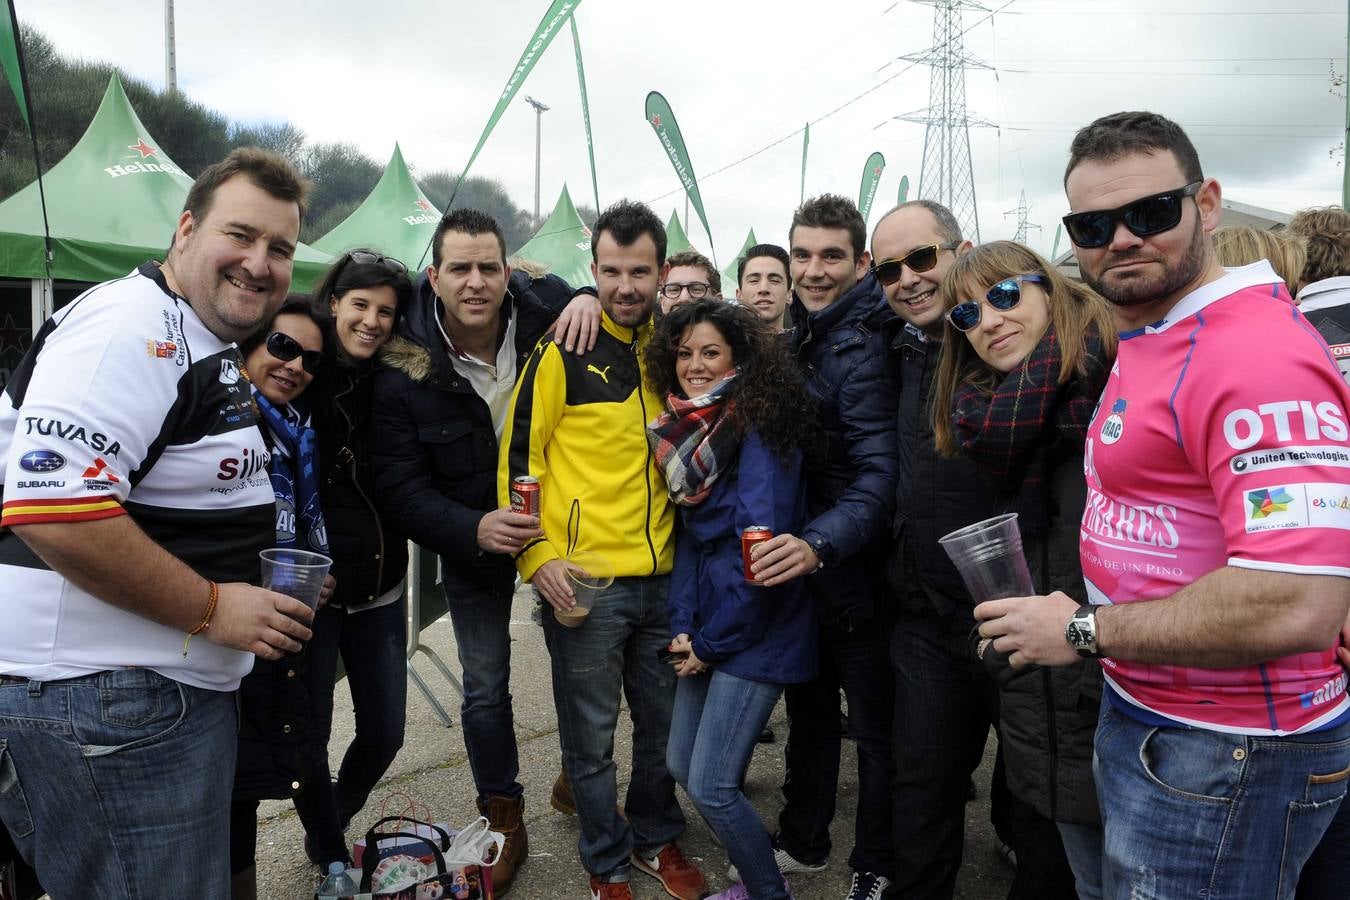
[
  {"x": 356, "y": 483},
  {"x": 647, "y": 465}
]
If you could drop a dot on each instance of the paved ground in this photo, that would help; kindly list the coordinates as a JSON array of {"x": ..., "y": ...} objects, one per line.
[{"x": 433, "y": 768}]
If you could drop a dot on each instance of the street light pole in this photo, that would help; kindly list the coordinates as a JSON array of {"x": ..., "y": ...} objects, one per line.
[{"x": 539, "y": 110}]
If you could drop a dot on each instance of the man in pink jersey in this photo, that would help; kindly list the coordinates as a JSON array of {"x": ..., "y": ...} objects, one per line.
[{"x": 1214, "y": 543}]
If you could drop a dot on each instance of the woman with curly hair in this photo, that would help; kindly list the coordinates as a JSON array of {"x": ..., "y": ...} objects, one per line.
[
  {"x": 732, "y": 444},
  {"x": 1025, "y": 356}
]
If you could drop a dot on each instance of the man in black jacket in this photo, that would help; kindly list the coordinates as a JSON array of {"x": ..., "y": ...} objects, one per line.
[
  {"x": 838, "y": 310},
  {"x": 440, "y": 403}
]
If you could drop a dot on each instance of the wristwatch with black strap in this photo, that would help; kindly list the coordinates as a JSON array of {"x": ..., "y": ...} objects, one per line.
[{"x": 1081, "y": 632}]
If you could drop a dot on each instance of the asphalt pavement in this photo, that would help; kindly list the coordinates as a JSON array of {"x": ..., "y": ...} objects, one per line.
[{"x": 433, "y": 769}]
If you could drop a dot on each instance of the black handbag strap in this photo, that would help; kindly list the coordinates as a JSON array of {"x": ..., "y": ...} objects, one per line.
[{"x": 372, "y": 857}]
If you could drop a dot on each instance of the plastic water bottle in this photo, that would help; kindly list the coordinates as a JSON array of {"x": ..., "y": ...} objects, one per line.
[{"x": 337, "y": 884}]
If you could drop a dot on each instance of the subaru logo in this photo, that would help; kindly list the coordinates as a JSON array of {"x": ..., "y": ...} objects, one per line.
[{"x": 41, "y": 461}]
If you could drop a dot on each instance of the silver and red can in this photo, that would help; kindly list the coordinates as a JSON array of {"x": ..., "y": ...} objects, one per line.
[
  {"x": 525, "y": 495},
  {"x": 754, "y": 534}
]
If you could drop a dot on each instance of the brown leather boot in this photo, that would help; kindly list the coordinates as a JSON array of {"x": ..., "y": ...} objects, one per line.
[
  {"x": 561, "y": 799},
  {"x": 507, "y": 817}
]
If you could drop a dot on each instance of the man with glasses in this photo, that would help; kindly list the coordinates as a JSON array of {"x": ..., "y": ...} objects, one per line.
[
  {"x": 838, "y": 311},
  {"x": 764, "y": 283},
  {"x": 1213, "y": 545},
  {"x": 441, "y": 402},
  {"x": 692, "y": 277}
]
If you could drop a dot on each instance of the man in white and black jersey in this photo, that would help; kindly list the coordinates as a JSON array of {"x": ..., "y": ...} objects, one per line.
[{"x": 135, "y": 502}]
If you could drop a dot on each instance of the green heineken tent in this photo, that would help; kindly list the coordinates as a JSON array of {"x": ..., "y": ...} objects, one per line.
[
  {"x": 112, "y": 203},
  {"x": 563, "y": 243},
  {"x": 676, "y": 240},
  {"x": 396, "y": 219},
  {"x": 729, "y": 283}
]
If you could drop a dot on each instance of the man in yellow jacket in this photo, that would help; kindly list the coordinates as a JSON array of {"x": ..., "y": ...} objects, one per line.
[{"x": 578, "y": 425}]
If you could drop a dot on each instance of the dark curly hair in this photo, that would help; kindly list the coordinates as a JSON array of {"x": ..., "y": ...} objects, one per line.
[{"x": 770, "y": 395}]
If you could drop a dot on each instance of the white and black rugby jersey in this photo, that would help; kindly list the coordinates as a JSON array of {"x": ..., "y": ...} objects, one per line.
[{"x": 127, "y": 405}]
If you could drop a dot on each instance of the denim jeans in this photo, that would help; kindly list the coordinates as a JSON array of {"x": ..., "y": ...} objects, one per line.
[
  {"x": 609, "y": 657},
  {"x": 1196, "y": 813},
  {"x": 858, "y": 661},
  {"x": 117, "y": 785},
  {"x": 1083, "y": 847},
  {"x": 482, "y": 622},
  {"x": 718, "y": 719},
  {"x": 374, "y": 651}
]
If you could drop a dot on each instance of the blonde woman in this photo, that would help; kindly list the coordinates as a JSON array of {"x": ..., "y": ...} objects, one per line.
[{"x": 1239, "y": 245}]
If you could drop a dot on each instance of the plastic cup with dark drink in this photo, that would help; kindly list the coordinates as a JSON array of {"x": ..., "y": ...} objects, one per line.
[
  {"x": 588, "y": 574},
  {"x": 989, "y": 556},
  {"x": 295, "y": 573}
]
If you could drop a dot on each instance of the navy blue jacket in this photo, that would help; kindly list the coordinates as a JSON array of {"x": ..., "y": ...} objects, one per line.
[
  {"x": 851, "y": 499},
  {"x": 757, "y": 633}
]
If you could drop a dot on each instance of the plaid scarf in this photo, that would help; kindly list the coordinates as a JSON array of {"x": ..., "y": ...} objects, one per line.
[{"x": 693, "y": 442}]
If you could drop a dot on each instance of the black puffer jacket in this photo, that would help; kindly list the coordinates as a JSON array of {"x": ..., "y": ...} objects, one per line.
[
  {"x": 935, "y": 495},
  {"x": 436, "y": 462},
  {"x": 273, "y": 724},
  {"x": 370, "y": 556},
  {"x": 850, "y": 500}
]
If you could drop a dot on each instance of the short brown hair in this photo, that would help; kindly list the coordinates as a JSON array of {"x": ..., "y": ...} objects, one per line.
[
  {"x": 269, "y": 171},
  {"x": 694, "y": 258},
  {"x": 1240, "y": 245},
  {"x": 832, "y": 211},
  {"x": 1326, "y": 234},
  {"x": 1120, "y": 134}
]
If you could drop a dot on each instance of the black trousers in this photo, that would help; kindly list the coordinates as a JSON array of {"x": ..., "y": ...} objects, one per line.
[{"x": 857, "y": 661}]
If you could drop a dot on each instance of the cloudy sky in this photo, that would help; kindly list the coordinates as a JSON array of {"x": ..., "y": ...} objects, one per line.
[{"x": 1255, "y": 82}]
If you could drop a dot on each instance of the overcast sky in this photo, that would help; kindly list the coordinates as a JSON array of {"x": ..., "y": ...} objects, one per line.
[{"x": 1251, "y": 80}]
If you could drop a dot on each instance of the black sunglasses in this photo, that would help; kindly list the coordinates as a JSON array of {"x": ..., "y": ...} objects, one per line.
[
  {"x": 1002, "y": 297},
  {"x": 286, "y": 348},
  {"x": 367, "y": 258},
  {"x": 921, "y": 260},
  {"x": 1143, "y": 217}
]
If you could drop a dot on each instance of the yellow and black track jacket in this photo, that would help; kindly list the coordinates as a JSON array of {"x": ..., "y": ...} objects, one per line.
[{"x": 579, "y": 425}]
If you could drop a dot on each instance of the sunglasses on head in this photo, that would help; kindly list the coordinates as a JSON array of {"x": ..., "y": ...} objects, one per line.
[
  {"x": 1002, "y": 297},
  {"x": 367, "y": 258},
  {"x": 286, "y": 348},
  {"x": 921, "y": 260},
  {"x": 1143, "y": 217}
]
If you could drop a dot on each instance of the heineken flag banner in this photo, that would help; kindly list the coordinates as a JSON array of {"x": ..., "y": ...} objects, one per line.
[
  {"x": 904, "y": 189},
  {"x": 539, "y": 41},
  {"x": 871, "y": 177},
  {"x": 806, "y": 142},
  {"x": 10, "y": 61},
  {"x": 662, "y": 120},
  {"x": 585, "y": 111}
]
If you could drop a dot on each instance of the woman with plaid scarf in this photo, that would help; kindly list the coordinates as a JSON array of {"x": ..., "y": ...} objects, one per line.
[
  {"x": 1025, "y": 356},
  {"x": 737, "y": 431}
]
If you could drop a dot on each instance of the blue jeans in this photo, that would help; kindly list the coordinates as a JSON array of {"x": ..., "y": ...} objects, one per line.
[
  {"x": 374, "y": 651},
  {"x": 718, "y": 719},
  {"x": 1196, "y": 813},
  {"x": 482, "y": 622},
  {"x": 857, "y": 660},
  {"x": 117, "y": 785},
  {"x": 610, "y": 656},
  {"x": 1083, "y": 847}
]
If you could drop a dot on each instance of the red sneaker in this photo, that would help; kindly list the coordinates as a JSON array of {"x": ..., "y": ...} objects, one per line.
[
  {"x": 611, "y": 890},
  {"x": 681, "y": 878}
]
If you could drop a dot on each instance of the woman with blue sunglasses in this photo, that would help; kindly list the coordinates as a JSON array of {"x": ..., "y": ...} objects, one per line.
[{"x": 1025, "y": 356}]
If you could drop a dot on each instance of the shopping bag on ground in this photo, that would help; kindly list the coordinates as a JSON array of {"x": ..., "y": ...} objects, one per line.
[{"x": 462, "y": 872}]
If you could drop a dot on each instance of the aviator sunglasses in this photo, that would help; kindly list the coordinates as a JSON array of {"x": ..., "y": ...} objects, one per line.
[
  {"x": 1143, "y": 217},
  {"x": 286, "y": 348},
  {"x": 1002, "y": 297},
  {"x": 921, "y": 260}
]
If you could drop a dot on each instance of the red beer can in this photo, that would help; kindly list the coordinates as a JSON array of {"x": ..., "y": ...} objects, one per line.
[
  {"x": 754, "y": 534},
  {"x": 525, "y": 495}
]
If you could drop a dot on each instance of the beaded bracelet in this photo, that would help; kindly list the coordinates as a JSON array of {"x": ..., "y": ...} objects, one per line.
[{"x": 206, "y": 619}]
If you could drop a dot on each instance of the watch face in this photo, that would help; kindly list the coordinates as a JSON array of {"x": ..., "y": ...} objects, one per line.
[{"x": 1079, "y": 634}]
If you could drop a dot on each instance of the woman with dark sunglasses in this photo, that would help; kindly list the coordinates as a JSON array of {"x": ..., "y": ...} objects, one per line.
[
  {"x": 280, "y": 362},
  {"x": 360, "y": 299},
  {"x": 1025, "y": 356}
]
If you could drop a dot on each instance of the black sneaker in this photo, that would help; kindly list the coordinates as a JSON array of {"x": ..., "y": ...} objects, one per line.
[{"x": 867, "y": 886}]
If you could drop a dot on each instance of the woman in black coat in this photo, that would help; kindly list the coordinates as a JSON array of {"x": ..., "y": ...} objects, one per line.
[
  {"x": 360, "y": 299},
  {"x": 1025, "y": 356}
]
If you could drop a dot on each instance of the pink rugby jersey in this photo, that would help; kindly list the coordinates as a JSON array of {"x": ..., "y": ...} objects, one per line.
[{"x": 1221, "y": 439}]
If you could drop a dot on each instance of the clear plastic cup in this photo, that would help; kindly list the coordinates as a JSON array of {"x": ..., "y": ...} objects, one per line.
[
  {"x": 989, "y": 557},
  {"x": 295, "y": 573},
  {"x": 589, "y": 574}
]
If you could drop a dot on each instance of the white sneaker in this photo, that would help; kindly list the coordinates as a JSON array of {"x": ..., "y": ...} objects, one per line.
[
  {"x": 787, "y": 864},
  {"x": 867, "y": 886}
]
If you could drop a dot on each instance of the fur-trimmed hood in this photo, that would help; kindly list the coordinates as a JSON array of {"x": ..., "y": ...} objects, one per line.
[{"x": 408, "y": 357}]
